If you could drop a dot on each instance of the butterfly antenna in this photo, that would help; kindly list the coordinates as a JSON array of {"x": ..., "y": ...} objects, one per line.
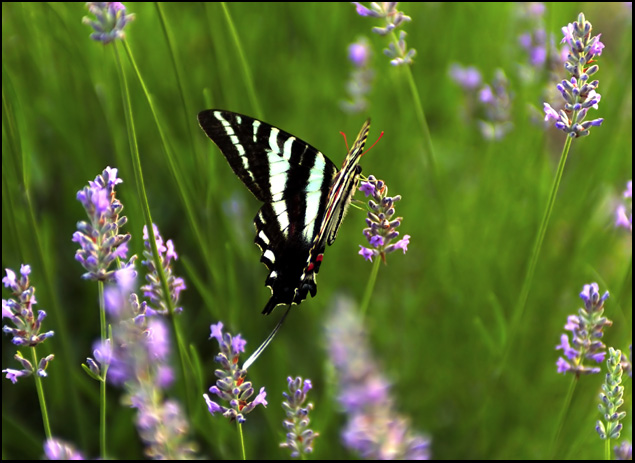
[
  {"x": 378, "y": 138},
  {"x": 265, "y": 343},
  {"x": 345, "y": 142}
]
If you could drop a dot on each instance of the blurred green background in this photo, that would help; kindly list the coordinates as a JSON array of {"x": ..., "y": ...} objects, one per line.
[{"x": 439, "y": 318}]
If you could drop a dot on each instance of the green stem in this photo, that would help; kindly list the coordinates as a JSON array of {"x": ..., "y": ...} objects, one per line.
[
  {"x": 535, "y": 253},
  {"x": 370, "y": 286},
  {"x": 563, "y": 414},
  {"x": 179, "y": 178},
  {"x": 607, "y": 448},
  {"x": 242, "y": 440},
  {"x": 249, "y": 83},
  {"x": 102, "y": 383},
  {"x": 143, "y": 199},
  {"x": 40, "y": 395}
]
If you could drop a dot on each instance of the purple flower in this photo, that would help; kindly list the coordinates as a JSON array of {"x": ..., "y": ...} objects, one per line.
[
  {"x": 56, "y": 449},
  {"x": 489, "y": 103},
  {"x": 586, "y": 329},
  {"x": 100, "y": 241},
  {"x": 27, "y": 324},
  {"x": 299, "y": 435},
  {"x": 231, "y": 385},
  {"x": 360, "y": 78},
  {"x": 374, "y": 429},
  {"x": 381, "y": 224},
  {"x": 624, "y": 212},
  {"x": 398, "y": 54},
  {"x": 111, "y": 18},
  {"x": 154, "y": 289},
  {"x": 468, "y": 77},
  {"x": 624, "y": 451},
  {"x": 137, "y": 359},
  {"x": 579, "y": 92}
]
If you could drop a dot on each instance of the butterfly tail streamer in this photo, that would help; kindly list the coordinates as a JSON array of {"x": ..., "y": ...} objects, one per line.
[{"x": 265, "y": 343}]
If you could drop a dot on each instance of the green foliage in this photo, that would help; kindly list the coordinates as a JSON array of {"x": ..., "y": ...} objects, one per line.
[{"x": 440, "y": 316}]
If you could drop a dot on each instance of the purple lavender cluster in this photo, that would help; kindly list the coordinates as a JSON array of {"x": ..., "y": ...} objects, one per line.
[
  {"x": 382, "y": 226},
  {"x": 374, "y": 429},
  {"x": 231, "y": 385},
  {"x": 587, "y": 328}
]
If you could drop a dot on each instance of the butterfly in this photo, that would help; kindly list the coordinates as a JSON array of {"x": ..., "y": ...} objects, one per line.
[{"x": 305, "y": 197}]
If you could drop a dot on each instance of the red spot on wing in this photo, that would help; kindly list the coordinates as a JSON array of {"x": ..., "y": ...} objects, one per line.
[{"x": 319, "y": 257}]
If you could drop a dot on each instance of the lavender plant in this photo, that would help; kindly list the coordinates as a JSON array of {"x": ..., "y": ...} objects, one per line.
[
  {"x": 299, "y": 436},
  {"x": 587, "y": 328},
  {"x": 154, "y": 290},
  {"x": 231, "y": 385},
  {"x": 110, "y": 20},
  {"x": 360, "y": 79},
  {"x": 579, "y": 93},
  {"x": 101, "y": 245},
  {"x": 489, "y": 104},
  {"x": 374, "y": 429},
  {"x": 26, "y": 332},
  {"x": 611, "y": 399},
  {"x": 624, "y": 212},
  {"x": 397, "y": 50},
  {"x": 624, "y": 451},
  {"x": 99, "y": 238},
  {"x": 57, "y": 449},
  {"x": 381, "y": 230},
  {"x": 140, "y": 363}
]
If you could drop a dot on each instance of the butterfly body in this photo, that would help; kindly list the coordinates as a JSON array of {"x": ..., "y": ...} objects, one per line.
[{"x": 305, "y": 197}]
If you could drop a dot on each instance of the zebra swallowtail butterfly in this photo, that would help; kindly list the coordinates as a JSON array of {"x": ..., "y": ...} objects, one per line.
[{"x": 305, "y": 197}]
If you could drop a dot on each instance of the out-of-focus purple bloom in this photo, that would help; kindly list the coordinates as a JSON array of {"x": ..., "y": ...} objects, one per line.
[
  {"x": 611, "y": 398},
  {"x": 624, "y": 212},
  {"x": 468, "y": 77},
  {"x": 373, "y": 429},
  {"x": 56, "y": 449},
  {"x": 490, "y": 104},
  {"x": 231, "y": 385},
  {"x": 360, "y": 79},
  {"x": 137, "y": 358},
  {"x": 100, "y": 241},
  {"x": 579, "y": 92},
  {"x": 110, "y": 19},
  {"x": 586, "y": 330},
  {"x": 399, "y": 54},
  {"x": 381, "y": 225},
  {"x": 153, "y": 289},
  {"x": 299, "y": 435},
  {"x": 624, "y": 451}
]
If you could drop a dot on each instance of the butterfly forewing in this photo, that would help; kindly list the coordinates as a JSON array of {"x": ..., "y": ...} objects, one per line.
[{"x": 304, "y": 196}]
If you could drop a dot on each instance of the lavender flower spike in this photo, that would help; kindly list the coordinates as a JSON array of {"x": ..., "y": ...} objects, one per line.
[
  {"x": 381, "y": 225},
  {"x": 99, "y": 239},
  {"x": 374, "y": 429},
  {"x": 586, "y": 330},
  {"x": 110, "y": 19},
  {"x": 27, "y": 325},
  {"x": 611, "y": 398},
  {"x": 299, "y": 436},
  {"x": 579, "y": 92},
  {"x": 56, "y": 449},
  {"x": 231, "y": 385},
  {"x": 398, "y": 53},
  {"x": 154, "y": 290}
]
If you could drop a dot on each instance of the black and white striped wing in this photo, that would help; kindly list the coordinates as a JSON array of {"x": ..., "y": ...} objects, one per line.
[{"x": 293, "y": 180}]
